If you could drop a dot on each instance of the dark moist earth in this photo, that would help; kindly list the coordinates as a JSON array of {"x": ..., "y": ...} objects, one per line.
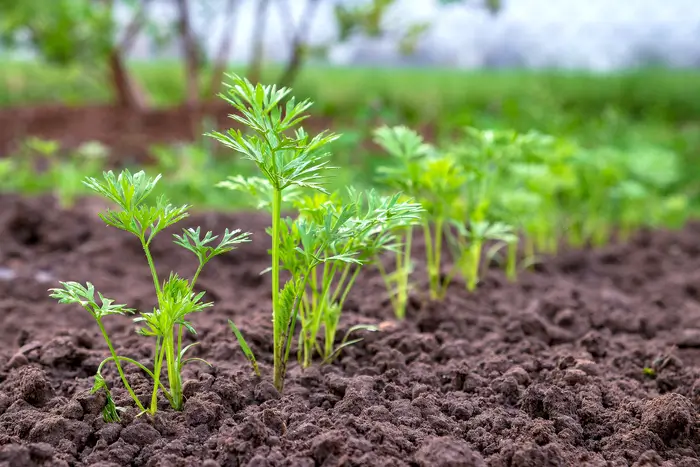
[{"x": 547, "y": 372}]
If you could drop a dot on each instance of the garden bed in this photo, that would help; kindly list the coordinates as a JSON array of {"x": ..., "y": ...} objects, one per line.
[
  {"x": 130, "y": 134},
  {"x": 592, "y": 359}
]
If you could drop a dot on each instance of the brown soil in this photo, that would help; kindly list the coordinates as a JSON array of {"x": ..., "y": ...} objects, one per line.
[
  {"x": 545, "y": 372},
  {"x": 128, "y": 133}
]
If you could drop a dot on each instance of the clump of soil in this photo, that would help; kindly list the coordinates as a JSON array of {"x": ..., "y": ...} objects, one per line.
[{"x": 592, "y": 360}]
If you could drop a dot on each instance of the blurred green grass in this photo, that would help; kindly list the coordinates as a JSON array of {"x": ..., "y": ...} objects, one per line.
[
  {"x": 628, "y": 110},
  {"x": 416, "y": 94}
]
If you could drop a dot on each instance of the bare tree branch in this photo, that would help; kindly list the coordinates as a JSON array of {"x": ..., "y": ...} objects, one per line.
[
  {"x": 286, "y": 19},
  {"x": 190, "y": 52},
  {"x": 255, "y": 67},
  {"x": 222, "y": 55},
  {"x": 299, "y": 43},
  {"x": 134, "y": 27}
]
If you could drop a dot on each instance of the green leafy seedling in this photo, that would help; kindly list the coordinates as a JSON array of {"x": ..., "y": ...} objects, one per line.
[
  {"x": 473, "y": 239},
  {"x": 407, "y": 149},
  {"x": 285, "y": 161},
  {"x": 322, "y": 248},
  {"x": 176, "y": 298},
  {"x": 84, "y": 295},
  {"x": 363, "y": 227}
]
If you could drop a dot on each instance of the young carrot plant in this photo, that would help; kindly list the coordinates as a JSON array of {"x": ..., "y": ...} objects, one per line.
[
  {"x": 176, "y": 298},
  {"x": 366, "y": 226},
  {"x": 408, "y": 150},
  {"x": 285, "y": 161},
  {"x": 471, "y": 241},
  {"x": 518, "y": 207},
  {"x": 436, "y": 181},
  {"x": 323, "y": 248},
  {"x": 442, "y": 182}
]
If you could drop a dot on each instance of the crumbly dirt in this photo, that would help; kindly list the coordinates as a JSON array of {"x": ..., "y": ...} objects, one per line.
[
  {"x": 546, "y": 372},
  {"x": 130, "y": 134}
]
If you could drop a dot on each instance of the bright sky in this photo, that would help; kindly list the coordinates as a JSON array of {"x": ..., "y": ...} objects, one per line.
[{"x": 598, "y": 34}]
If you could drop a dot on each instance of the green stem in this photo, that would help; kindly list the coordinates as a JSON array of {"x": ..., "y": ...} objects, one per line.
[
  {"x": 288, "y": 335},
  {"x": 474, "y": 263},
  {"x": 180, "y": 332},
  {"x": 278, "y": 355},
  {"x": 318, "y": 313},
  {"x": 174, "y": 378},
  {"x": 529, "y": 248},
  {"x": 117, "y": 358},
  {"x": 437, "y": 255},
  {"x": 314, "y": 287},
  {"x": 542, "y": 241},
  {"x": 389, "y": 286},
  {"x": 348, "y": 287},
  {"x": 329, "y": 339},
  {"x": 512, "y": 261},
  {"x": 160, "y": 352},
  {"x": 152, "y": 267},
  {"x": 429, "y": 256},
  {"x": 119, "y": 367},
  {"x": 304, "y": 311},
  {"x": 196, "y": 275},
  {"x": 341, "y": 282},
  {"x": 404, "y": 273},
  {"x": 574, "y": 234}
]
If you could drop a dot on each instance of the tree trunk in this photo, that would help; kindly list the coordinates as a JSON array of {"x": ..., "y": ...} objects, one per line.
[
  {"x": 255, "y": 67},
  {"x": 126, "y": 91},
  {"x": 299, "y": 44},
  {"x": 190, "y": 53},
  {"x": 134, "y": 27},
  {"x": 289, "y": 75},
  {"x": 221, "y": 60}
]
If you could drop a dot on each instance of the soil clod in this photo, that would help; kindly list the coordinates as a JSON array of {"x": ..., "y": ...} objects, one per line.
[{"x": 591, "y": 360}]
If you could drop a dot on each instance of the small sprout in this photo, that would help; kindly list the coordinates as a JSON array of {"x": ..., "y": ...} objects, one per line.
[
  {"x": 346, "y": 342},
  {"x": 176, "y": 298},
  {"x": 44, "y": 147},
  {"x": 649, "y": 372},
  {"x": 245, "y": 347},
  {"x": 110, "y": 412}
]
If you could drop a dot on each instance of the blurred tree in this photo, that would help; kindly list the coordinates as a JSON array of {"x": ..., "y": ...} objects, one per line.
[
  {"x": 193, "y": 41},
  {"x": 297, "y": 37},
  {"x": 258, "y": 40},
  {"x": 363, "y": 19},
  {"x": 66, "y": 32},
  {"x": 224, "y": 49},
  {"x": 367, "y": 18},
  {"x": 191, "y": 53}
]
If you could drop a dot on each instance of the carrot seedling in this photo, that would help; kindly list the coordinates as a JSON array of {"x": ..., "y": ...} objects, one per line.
[
  {"x": 322, "y": 249},
  {"x": 408, "y": 149},
  {"x": 285, "y": 162},
  {"x": 176, "y": 298},
  {"x": 436, "y": 181},
  {"x": 366, "y": 226}
]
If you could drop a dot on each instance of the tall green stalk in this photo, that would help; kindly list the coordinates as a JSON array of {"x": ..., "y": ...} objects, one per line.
[
  {"x": 512, "y": 261},
  {"x": 289, "y": 160},
  {"x": 473, "y": 264},
  {"x": 278, "y": 350}
]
